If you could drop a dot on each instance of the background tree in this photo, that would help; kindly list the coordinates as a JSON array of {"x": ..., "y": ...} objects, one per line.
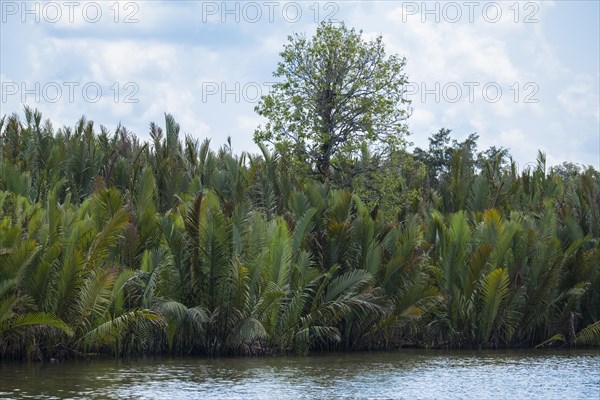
[
  {"x": 442, "y": 149},
  {"x": 337, "y": 93}
]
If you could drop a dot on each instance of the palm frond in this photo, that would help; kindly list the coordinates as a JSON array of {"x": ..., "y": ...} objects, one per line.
[
  {"x": 110, "y": 331},
  {"x": 590, "y": 334},
  {"x": 495, "y": 289},
  {"x": 35, "y": 318}
]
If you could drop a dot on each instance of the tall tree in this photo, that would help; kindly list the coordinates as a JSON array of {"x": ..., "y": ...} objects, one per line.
[{"x": 337, "y": 92}]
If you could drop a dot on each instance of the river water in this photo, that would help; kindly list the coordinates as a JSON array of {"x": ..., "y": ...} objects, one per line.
[{"x": 409, "y": 374}]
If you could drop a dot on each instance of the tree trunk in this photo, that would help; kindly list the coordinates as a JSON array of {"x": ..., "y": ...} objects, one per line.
[{"x": 571, "y": 329}]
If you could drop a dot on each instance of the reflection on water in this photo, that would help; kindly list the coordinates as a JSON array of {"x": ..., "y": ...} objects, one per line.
[{"x": 407, "y": 374}]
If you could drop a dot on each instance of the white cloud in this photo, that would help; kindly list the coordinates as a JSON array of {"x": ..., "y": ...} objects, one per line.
[{"x": 581, "y": 99}]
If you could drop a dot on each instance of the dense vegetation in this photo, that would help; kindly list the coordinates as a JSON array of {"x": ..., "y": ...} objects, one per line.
[{"x": 111, "y": 245}]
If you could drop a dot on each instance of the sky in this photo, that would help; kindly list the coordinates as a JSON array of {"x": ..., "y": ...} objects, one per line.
[{"x": 523, "y": 75}]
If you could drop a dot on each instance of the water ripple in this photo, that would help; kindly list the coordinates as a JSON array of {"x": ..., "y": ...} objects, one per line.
[{"x": 397, "y": 375}]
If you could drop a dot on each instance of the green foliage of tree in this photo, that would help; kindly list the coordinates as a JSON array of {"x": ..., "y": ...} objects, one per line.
[{"x": 336, "y": 93}]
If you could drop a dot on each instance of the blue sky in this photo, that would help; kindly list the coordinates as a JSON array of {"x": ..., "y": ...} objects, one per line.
[{"x": 523, "y": 75}]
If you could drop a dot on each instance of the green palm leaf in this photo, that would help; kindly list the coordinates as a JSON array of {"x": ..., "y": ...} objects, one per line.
[
  {"x": 495, "y": 289},
  {"x": 590, "y": 334},
  {"x": 35, "y": 318}
]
